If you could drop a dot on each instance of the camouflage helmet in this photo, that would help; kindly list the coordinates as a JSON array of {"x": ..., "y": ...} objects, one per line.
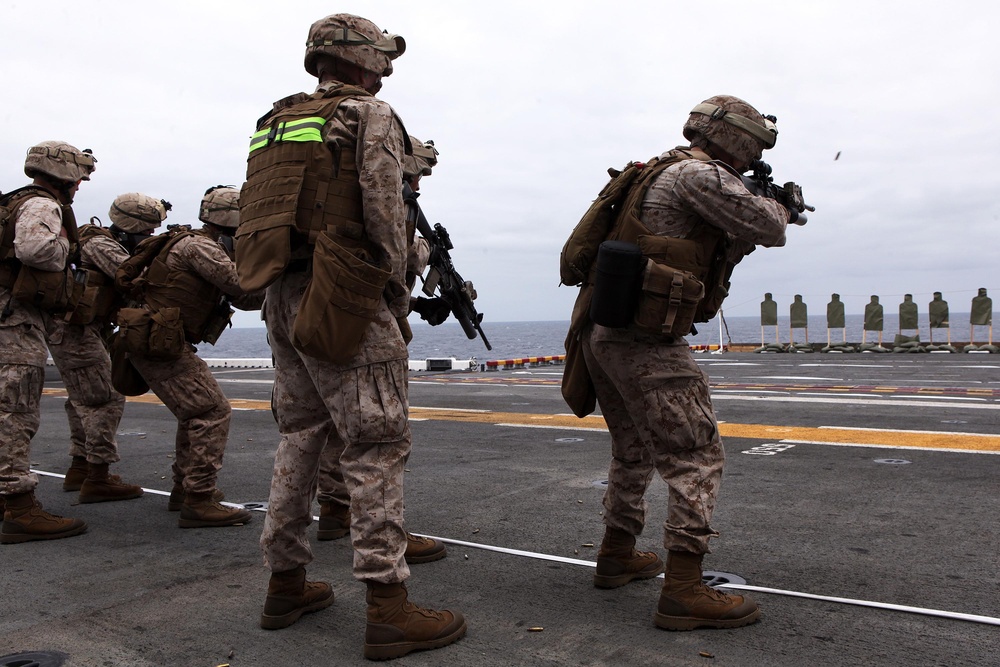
[
  {"x": 733, "y": 125},
  {"x": 424, "y": 157},
  {"x": 60, "y": 161},
  {"x": 355, "y": 40},
  {"x": 221, "y": 206},
  {"x": 136, "y": 213}
]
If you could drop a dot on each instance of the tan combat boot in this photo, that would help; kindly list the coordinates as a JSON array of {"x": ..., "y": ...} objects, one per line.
[
  {"x": 423, "y": 549},
  {"x": 200, "y": 510},
  {"x": 686, "y": 603},
  {"x": 176, "y": 500},
  {"x": 77, "y": 472},
  {"x": 24, "y": 521},
  {"x": 334, "y": 521},
  {"x": 100, "y": 487},
  {"x": 289, "y": 596},
  {"x": 397, "y": 627},
  {"x": 619, "y": 563}
]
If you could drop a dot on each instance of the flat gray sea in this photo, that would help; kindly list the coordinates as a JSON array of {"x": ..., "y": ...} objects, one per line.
[{"x": 511, "y": 340}]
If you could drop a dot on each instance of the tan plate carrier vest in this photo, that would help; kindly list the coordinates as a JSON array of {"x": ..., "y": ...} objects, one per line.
[
  {"x": 302, "y": 200},
  {"x": 100, "y": 298},
  {"x": 52, "y": 291},
  {"x": 700, "y": 256},
  {"x": 294, "y": 191},
  {"x": 685, "y": 280},
  {"x": 167, "y": 287}
]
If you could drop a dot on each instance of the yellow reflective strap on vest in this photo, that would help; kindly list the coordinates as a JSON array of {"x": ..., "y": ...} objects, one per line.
[{"x": 302, "y": 129}]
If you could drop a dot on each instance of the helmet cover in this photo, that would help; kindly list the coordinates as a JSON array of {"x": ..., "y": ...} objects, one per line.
[
  {"x": 136, "y": 213},
  {"x": 221, "y": 206},
  {"x": 733, "y": 125},
  {"x": 60, "y": 161},
  {"x": 423, "y": 159},
  {"x": 355, "y": 40}
]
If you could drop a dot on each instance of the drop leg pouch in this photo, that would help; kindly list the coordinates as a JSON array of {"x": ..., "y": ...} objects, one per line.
[{"x": 339, "y": 303}]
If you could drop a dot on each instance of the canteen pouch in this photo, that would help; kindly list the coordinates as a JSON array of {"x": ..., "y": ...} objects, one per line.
[
  {"x": 339, "y": 303},
  {"x": 618, "y": 271},
  {"x": 166, "y": 334},
  {"x": 668, "y": 301},
  {"x": 51, "y": 291},
  {"x": 133, "y": 330},
  {"x": 156, "y": 335}
]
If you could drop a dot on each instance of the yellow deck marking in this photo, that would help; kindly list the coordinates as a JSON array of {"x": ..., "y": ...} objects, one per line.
[
  {"x": 969, "y": 441},
  {"x": 887, "y": 438}
]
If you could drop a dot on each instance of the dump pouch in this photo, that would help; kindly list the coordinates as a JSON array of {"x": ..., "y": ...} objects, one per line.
[
  {"x": 51, "y": 291},
  {"x": 577, "y": 387},
  {"x": 618, "y": 272},
  {"x": 339, "y": 303},
  {"x": 125, "y": 378}
]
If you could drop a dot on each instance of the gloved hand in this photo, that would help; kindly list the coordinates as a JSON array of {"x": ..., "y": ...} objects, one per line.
[{"x": 433, "y": 311}]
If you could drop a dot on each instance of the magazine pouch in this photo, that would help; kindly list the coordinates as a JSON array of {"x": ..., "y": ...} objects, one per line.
[
  {"x": 51, "y": 291},
  {"x": 668, "y": 301}
]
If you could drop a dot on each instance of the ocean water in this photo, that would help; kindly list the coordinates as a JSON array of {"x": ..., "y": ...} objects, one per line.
[{"x": 511, "y": 340}]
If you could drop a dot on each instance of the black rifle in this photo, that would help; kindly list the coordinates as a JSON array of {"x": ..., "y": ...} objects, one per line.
[
  {"x": 442, "y": 275},
  {"x": 789, "y": 195}
]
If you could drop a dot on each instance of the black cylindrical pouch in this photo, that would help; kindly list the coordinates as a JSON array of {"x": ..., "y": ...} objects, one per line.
[{"x": 618, "y": 277}]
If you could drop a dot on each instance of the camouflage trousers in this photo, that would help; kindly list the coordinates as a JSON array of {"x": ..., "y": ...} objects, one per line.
[
  {"x": 20, "y": 395},
  {"x": 364, "y": 411},
  {"x": 656, "y": 403},
  {"x": 330, "y": 484},
  {"x": 94, "y": 408},
  {"x": 22, "y": 373},
  {"x": 188, "y": 389}
]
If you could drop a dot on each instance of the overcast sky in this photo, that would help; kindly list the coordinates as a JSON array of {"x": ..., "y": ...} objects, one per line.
[{"x": 530, "y": 102}]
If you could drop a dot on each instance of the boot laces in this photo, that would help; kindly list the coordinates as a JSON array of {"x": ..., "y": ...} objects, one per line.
[
  {"x": 411, "y": 608},
  {"x": 715, "y": 594}
]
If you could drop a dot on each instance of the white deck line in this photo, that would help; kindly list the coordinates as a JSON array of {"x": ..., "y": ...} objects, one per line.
[{"x": 972, "y": 618}]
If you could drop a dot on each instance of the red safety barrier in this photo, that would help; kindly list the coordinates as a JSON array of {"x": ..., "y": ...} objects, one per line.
[{"x": 521, "y": 362}]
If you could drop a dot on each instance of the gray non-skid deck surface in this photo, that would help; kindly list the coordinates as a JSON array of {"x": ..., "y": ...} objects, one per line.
[{"x": 137, "y": 590}]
